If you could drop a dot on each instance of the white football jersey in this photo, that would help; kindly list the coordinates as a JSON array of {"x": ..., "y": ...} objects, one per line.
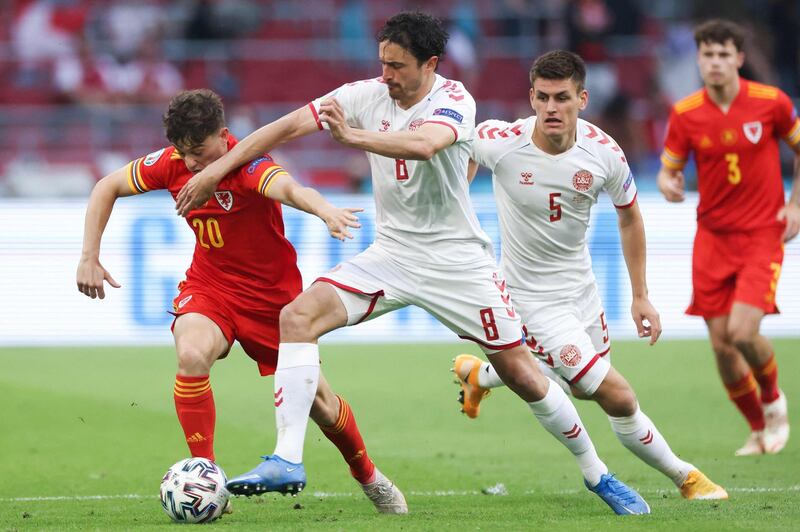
[
  {"x": 543, "y": 201},
  {"x": 423, "y": 211}
]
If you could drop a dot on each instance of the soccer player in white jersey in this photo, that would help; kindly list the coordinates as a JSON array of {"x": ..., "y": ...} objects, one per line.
[
  {"x": 548, "y": 171},
  {"x": 417, "y": 129}
]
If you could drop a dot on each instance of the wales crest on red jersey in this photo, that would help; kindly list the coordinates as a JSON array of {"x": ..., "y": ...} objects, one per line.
[
  {"x": 752, "y": 130},
  {"x": 225, "y": 199}
]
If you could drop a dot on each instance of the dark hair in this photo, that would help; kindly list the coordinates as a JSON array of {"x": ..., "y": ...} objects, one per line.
[
  {"x": 719, "y": 31},
  {"x": 192, "y": 116},
  {"x": 419, "y": 33},
  {"x": 559, "y": 64}
]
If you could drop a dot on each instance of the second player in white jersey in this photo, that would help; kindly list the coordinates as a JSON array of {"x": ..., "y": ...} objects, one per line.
[
  {"x": 544, "y": 201},
  {"x": 548, "y": 172},
  {"x": 423, "y": 211}
]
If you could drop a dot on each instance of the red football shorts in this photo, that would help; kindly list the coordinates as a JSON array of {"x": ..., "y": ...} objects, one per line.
[
  {"x": 256, "y": 330},
  {"x": 735, "y": 267}
]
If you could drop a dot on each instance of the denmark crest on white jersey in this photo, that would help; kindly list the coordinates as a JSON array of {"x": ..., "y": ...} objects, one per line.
[
  {"x": 752, "y": 130},
  {"x": 225, "y": 199}
]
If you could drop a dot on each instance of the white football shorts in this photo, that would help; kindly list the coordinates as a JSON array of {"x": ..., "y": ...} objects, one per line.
[
  {"x": 473, "y": 302},
  {"x": 569, "y": 335}
]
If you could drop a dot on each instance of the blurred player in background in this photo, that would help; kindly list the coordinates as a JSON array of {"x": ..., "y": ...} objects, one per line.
[
  {"x": 732, "y": 126},
  {"x": 548, "y": 171},
  {"x": 243, "y": 272},
  {"x": 430, "y": 251}
]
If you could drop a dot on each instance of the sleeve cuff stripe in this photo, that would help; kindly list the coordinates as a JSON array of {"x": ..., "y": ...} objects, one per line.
[
  {"x": 316, "y": 116},
  {"x": 455, "y": 131}
]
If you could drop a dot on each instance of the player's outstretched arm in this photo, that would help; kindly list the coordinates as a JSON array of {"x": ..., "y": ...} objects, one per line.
[
  {"x": 671, "y": 183},
  {"x": 418, "y": 145},
  {"x": 199, "y": 188},
  {"x": 790, "y": 213},
  {"x": 289, "y": 192},
  {"x": 634, "y": 249},
  {"x": 91, "y": 274}
]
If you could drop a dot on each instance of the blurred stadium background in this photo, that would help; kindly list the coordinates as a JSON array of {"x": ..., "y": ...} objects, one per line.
[{"x": 84, "y": 84}]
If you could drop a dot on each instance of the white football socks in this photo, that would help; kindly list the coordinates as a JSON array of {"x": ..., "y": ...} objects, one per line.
[
  {"x": 642, "y": 438},
  {"x": 557, "y": 414},
  {"x": 296, "y": 379},
  {"x": 488, "y": 377}
]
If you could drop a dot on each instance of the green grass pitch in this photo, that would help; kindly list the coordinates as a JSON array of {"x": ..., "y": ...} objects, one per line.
[{"x": 87, "y": 433}]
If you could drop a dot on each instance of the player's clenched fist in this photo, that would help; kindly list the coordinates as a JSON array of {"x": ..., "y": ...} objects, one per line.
[
  {"x": 195, "y": 193},
  {"x": 332, "y": 114}
]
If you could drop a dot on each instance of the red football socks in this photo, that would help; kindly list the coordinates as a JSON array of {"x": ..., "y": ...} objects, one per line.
[
  {"x": 194, "y": 403},
  {"x": 744, "y": 394},
  {"x": 345, "y": 436},
  {"x": 767, "y": 377}
]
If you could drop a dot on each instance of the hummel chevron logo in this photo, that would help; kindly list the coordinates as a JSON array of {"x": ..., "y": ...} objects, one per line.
[
  {"x": 279, "y": 397},
  {"x": 573, "y": 433},
  {"x": 647, "y": 439}
]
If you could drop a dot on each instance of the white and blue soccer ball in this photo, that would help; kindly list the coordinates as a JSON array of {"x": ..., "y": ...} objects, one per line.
[{"x": 193, "y": 491}]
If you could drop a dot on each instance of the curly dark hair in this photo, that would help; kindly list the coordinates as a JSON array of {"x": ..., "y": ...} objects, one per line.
[
  {"x": 419, "y": 33},
  {"x": 719, "y": 31},
  {"x": 559, "y": 64},
  {"x": 192, "y": 116}
]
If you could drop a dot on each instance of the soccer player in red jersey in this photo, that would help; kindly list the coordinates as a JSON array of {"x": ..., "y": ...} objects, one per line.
[
  {"x": 243, "y": 272},
  {"x": 732, "y": 126}
]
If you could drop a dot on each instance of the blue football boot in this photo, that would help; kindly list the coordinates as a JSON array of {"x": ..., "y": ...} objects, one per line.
[
  {"x": 622, "y": 499},
  {"x": 273, "y": 474}
]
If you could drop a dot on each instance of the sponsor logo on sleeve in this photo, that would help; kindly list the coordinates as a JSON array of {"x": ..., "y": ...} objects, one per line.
[
  {"x": 151, "y": 158},
  {"x": 182, "y": 302},
  {"x": 627, "y": 184},
  {"x": 256, "y": 162},
  {"x": 449, "y": 113},
  {"x": 225, "y": 199}
]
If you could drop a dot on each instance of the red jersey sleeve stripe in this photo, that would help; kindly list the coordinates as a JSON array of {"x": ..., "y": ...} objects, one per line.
[
  {"x": 316, "y": 116},
  {"x": 135, "y": 177},
  {"x": 793, "y": 136},
  {"x": 268, "y": 178},
  {"x": 455, "y": 132},
  {"x": 672, "y": 160},
  {"x": 629, "y": 205}
]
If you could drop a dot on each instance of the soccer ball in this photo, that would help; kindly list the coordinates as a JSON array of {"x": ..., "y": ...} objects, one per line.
[{"x": 193, "y": 491}]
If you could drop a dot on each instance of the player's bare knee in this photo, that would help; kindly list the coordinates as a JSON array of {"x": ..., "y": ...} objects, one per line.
[
  {"x": 295, "y": 322},
  {"x": 743, "y": 340},
  {"x": 530, "y": 385},
  {"x": 193, "y": 361},
  {"x": 723, "y": 349}
]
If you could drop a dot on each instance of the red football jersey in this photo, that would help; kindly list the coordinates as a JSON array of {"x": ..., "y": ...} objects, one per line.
[
  {"x": 241, "y": 249},
  {"x": 738, "y": 165}
]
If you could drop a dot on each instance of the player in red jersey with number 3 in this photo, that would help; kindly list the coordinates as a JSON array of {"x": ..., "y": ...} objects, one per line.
[
  {"x": 243, "y": 272},
  {"x": 732, "y": 126}
]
